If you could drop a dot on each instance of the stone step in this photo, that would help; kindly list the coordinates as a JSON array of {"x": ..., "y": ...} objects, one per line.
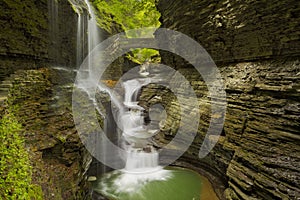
[
  {"x": 5, "y": 85},
  {"x": 4, "y": 89},
  {"x": 2, "y": 98},
  {"x": 6, "y": 81}
]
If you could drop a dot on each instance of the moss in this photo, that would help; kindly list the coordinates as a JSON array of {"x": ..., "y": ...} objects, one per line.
[
  {"x": 15, "y": 179},
  {"x": 24, "y": 26},
  {"x": 15, "y": 166},
  {"x": 27, "y": 15}
]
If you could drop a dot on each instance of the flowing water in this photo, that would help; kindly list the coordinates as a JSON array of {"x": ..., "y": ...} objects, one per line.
[
  {"x": 141, "y": 178},
  {"x": 80, "y": 40},
  {"x": 88, "y": 35},
  {"x": 166, "y": 184},
  {"x": 53, "y": 27}
]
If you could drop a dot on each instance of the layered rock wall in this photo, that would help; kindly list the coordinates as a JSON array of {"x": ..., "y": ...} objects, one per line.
[
  {"x": 255, "y": 45},
  {"x": 34, "y": 36},
  {"x": 58, "y": 159},
  {"x": 237, "y": 30},
  {"x": 34, "y": 33}
]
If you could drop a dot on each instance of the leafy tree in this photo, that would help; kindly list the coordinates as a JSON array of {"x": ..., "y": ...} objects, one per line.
[{"x": 130, "y": 14}]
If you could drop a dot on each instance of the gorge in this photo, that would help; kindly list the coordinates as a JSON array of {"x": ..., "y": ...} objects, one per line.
[{"x": 44, "y": 51}]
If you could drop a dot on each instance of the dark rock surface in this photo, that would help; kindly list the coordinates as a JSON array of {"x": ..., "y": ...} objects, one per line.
[
  {"x": 256, "y": 47},
  {"x": 57, "y": 155},
  {"x": 34, "y": 33},
  {"x": 237, "y": 30}
]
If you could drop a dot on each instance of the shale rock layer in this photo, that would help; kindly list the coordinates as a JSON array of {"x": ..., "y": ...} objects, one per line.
[{"x": 255, "y": 45}]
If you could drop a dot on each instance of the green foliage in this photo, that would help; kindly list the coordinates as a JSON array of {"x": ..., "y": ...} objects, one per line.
[
  {"x": 141, "y": 55},
  {"x": 130, "y": 14},
  {"x": 15, "y": 169}
]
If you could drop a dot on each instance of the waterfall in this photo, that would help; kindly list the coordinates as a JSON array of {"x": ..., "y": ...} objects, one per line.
[
  {"x": 139, "y": 161},
  {"x": 89, "y": 34},
  {"x": 53, "y": 28},
  {"x": 93, "y": 31},
  {"x": 131, "y": 87},
  {"x": 130, "y": 116},
  {"x": 93, "y": 37},
  {"x": 142, "y": 159},
  {"x": 141, "y": 156},
  {"x": 80, "y": 40}
]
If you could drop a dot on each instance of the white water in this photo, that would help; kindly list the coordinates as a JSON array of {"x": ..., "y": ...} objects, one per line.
[
  {"x": 80, "y": 40},
  {"x": 90, "y": 34},
  {"x": 141, "y": 157},
  {"x": 54, "y": 27},
  {"x": 131, "y": 90},
  {"x": 132, "y": 182},
  {"x": 93, "y": 31},
  {"x": 93, "y": 34},
  {"x": 139, "y": 161}
]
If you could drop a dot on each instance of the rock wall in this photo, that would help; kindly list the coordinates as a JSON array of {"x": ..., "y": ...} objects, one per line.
[
  {"x": 58, "y": 158},
  {"x": 255, "y": 45},
  {"x": 34, "y": 33},
  {"x": 237, "y": 30},
  {"x": 34, "y": 36}
]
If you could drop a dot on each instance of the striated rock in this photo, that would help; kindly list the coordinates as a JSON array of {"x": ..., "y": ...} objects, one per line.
[
  {"x": 34, "y": 33},
  {"x": 237, "y": 30},
  {"x": 34, "y": 36},
  {"x": 58, "y": 158},
  {"x": 256, "y": 48},
  {"x": 258, "y": 150}
]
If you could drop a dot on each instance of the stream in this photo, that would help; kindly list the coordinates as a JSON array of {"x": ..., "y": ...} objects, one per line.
[{"x": 140, "y": 176}]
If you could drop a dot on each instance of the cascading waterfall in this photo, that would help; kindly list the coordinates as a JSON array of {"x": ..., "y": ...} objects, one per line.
[
  {"x": 141, "y": 156},
  {"x": 142, "y": 163},
  {"x": 141, "y": 159},
  {"x": 130, "y": 115},
  {"x": 141, "y": 176}
]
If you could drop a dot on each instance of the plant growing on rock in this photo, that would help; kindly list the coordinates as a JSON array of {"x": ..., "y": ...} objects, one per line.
[{"x": 123, "y": 15}]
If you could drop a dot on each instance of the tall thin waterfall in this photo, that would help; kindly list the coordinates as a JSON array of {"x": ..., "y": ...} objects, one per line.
[
  {"x": 89, "y": 34},
  {"x": 93, "y": 31},
  {"x": 80, "y": 40},
  {"x": 54, "y": 27}
]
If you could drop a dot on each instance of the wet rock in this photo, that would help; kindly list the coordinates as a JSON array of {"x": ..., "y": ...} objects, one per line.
[
  {"x": 92, "y": 178},
  {"x": 58, "y": 157},
  {"x": 256, "y": 48}
]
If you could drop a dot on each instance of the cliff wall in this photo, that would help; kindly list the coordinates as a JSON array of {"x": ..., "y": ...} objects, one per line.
[{"x": 255, "y": 45}]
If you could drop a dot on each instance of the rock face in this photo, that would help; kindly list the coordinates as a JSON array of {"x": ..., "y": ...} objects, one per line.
[
  {"x": 58, "y": 158},
  {"x": 34, "y": 36},
  {"x": 237, "y": 30},
  {"x": 255, "y": 45},
  {"x": 36, "y": 32}
]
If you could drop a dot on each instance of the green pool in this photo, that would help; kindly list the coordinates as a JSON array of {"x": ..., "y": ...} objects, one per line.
[{"x": 162, "y": 184}]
